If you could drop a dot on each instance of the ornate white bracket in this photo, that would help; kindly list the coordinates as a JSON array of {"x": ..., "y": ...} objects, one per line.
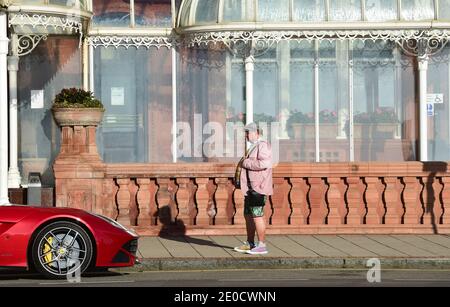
[
  {"x": 27, "y": 43},
  {"x": 72, "y": 24},
  {"x": 131, "y": 41}
]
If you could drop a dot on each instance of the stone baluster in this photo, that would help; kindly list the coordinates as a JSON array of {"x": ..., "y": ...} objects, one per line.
[
  {"x": 297, "y": 195},
  {"x": 280, "y": 200},
  {"x": 356, "y": 207},
  {"x": 183, "y": 198},
  {"x": 202, "y": 198},
  {"x": 109, "y": 207},
  {"x": 427, "y": 199},
  {"x": 173, "y": 188},
  {"x": 221, "y": 197},
  {"x": 394, "y": 207},
  {"x": 411, "y": 198},
  {"x": 123, "y": 201},
  {"x": 238, "y": 198},
  {"x": 438, "y": 207},
  {"x": 446, "y": 200},
  {"x": 163, "y": 201},
  {"x": 143, "y": 201},
  {"x": 316, "y": 198},
  {"x": 336, "y": 203},
  {"x": 375, "y": 209},
  {"x": 230, "y": 205}
]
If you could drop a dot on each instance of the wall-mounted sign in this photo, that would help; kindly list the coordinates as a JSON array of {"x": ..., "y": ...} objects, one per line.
[
  {"x": 117, "y": 96},
  {"x": 430, "y": 109},
  {"x": 435, "y": 98},
  {"x": 37, "y": 99}
]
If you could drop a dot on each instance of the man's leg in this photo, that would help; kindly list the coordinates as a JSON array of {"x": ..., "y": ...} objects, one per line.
[
  {"x": 260, "y": 225},
  {"x": 251, "y": 228}
]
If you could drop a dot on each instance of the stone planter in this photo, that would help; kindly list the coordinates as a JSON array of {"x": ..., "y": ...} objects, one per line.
[{"x": 78, "y": 116}]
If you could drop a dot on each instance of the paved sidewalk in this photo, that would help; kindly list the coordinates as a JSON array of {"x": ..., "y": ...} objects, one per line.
[{"x": 295, "y": 251}]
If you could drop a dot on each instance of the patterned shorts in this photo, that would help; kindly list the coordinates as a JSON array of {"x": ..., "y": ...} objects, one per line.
[{"x": 254, "y": 211}]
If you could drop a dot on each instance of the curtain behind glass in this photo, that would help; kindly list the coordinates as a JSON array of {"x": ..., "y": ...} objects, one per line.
[
  {"x": 54, "y": 64},
  {"x": 137, "y": 123}
]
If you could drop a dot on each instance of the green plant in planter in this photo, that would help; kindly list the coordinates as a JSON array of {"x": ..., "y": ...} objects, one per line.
[{"x": 76, "y": 98}]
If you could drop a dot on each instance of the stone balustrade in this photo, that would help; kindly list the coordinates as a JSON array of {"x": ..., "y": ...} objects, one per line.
[{"x": 308, "y": 198}]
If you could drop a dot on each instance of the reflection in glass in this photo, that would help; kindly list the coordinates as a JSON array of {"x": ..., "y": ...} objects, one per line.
[
  {"x": 444, "y": 10},
  {"x": 417, "y": 9},
  {"x": 206, "y": 11},
  {"x": 111, "y": 13},
  {"x": 383, "y": 115},
  {"x": 238, "y": 10},
  {"x": 309, "y": 10},
  {"x": 380, "y": 10},
  {"x": 52, "y": 66},
  {"x": 138, "y": 101},
  {"x": 153, "y": 13},
  {"x": 345, "y": 10},
  {"x": 276, "y": 11}
]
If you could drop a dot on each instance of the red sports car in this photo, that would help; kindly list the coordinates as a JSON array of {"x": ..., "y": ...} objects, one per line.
[{"x": 60, "y": 241}]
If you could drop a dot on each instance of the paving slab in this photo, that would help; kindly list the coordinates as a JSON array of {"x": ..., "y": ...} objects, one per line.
[
  {"x": 438, "y": 239},
  {"x": 207, "y": 248},
  {"x": 178, "y": 247},
  {"x": 422, "y": 243},
  {"x": 151, "y": 247},
  {"x": 317, "y": 246},
  {"x": 377, "y": 248},
  {"x": 401, "y": 246},
  {"x": 231, "y": 242},
  {"x": 290, "y": 246},
  {"x": 345, "y": 246}
]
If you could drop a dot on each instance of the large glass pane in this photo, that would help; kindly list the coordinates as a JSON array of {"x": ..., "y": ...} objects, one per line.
[
  {"x": 72, "y": 4},
  {"x": 276, "y": 11},
  {"x": 137, "y": 124},
  {"x": 417, "y": 9},
  {"x": 309, "y": 10},
  {"x": 345, "y": 10},
  {"x": 439, "y": 113},
  {"x": 207, "y": 11},
  {"x": 54, "y": 64},
  {"x": 210, "y": 102},
  {"x": 238, "y": 10},
  {"x": 380, "y": 10},
  {"x": 185, "y": 13},
  {"x": 384, "y": 113},
  {"x": 297, "y": 141},
  {"x": 333, "y": 101},
  {"x": 153, "y": 13},
  {"x": 111, "y": 13},
  {"x": 444, "y": 10}
]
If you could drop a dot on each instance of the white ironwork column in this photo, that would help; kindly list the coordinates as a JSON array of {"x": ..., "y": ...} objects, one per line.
[
  {"x": 3, "y": 110},
  {"x": 249, "y": 69},
  {"x": 14, "y": 178},
  {"x": 423, "y": 138}
]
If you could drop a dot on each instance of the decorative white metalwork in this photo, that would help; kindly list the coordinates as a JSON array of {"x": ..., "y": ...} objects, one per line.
[
  {"x": 72, "y": 24},
  {"x": 27, "y": 43},
  {"x": 131, "y": 41}
]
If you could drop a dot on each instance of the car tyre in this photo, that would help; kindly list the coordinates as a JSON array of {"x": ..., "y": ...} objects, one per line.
[{"x": 62, "y": 250}]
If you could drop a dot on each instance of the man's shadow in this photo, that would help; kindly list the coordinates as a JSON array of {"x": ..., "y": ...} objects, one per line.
[{"x": 176, "y": 230}]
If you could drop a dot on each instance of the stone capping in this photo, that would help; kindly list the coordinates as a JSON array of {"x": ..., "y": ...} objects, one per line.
[{"x": 285, "y": 169}]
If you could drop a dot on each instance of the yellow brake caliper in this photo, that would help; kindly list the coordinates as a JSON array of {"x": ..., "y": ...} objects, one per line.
[{"x": 47, "y": 248}]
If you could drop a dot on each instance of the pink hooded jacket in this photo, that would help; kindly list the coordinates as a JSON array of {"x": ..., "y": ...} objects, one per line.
[{"x": 259, "y": 165}]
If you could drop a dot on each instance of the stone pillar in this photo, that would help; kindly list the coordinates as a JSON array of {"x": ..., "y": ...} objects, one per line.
[
  {"x": 14, "y": 178},
  {"x": 3, "y": 110}
]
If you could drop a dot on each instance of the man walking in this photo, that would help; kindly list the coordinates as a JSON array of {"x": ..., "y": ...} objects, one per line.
[{"x": 254, "y": 173}]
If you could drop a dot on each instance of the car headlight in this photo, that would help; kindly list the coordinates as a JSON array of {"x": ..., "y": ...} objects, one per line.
[{"x": 115, "y": 223}]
